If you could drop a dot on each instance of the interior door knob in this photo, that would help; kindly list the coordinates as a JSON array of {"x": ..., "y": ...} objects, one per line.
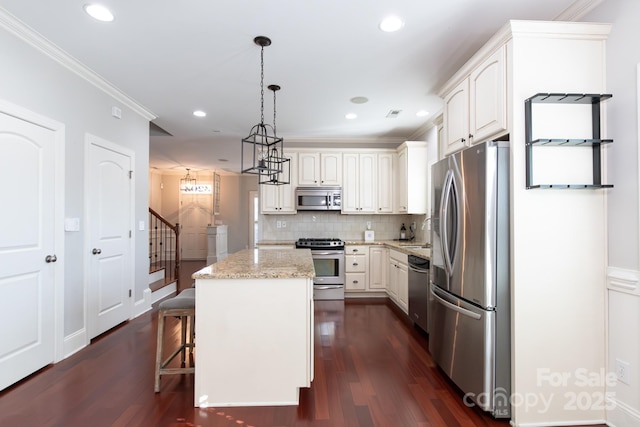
[
  {"x": 50, "y": 258},
  {"x": 96, "y": 251}
]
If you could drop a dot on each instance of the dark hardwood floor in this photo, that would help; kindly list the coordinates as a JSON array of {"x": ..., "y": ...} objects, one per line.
[{"x": 371, "y": 369}]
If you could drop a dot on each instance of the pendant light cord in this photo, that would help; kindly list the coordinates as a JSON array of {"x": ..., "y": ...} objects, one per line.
[{"x": 262, "y": 85}]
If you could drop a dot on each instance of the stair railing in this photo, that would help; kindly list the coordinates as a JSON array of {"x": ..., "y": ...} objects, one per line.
[{"x": 164, "y": 247}]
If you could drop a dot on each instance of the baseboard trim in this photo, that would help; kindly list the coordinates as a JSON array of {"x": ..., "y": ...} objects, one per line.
[
  {"x": 162, "y": 293},
  {"x": 622, "y": 415},
  {"x": 74, "y": 343},
  {"x": 623, "y": 280},
  {"x": 563, "y": 423}
]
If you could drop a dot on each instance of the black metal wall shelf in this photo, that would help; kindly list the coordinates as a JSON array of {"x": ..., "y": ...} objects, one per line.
[
  {"x": 570, "y": 142},
  {"x": 596, "y": 142}
]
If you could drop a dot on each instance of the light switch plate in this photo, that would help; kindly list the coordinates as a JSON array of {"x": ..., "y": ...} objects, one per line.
[{"x": 72, "y": 224}]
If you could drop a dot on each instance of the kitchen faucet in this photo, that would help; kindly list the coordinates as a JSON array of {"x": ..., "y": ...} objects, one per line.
[{"x": 424, "y": 223}]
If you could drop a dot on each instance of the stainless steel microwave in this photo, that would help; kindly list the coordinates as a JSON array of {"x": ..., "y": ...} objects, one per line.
[{"x": 318, "y": 198}]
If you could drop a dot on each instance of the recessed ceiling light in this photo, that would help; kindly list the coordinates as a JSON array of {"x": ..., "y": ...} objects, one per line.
[
  {"x": 99, "y": 12},
  {"x": 422, "y": 113},
  {"x": 391, "y": 23},
  {"x": 351, "y": 116},
  {"x": 199, "y": 113},
  {"x": 360, "y": 100}
]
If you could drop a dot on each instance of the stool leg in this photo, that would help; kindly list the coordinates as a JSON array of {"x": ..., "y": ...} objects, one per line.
[
  {"x": 159, "y": 349},
  {"x": 183, "y": 337},
  {"x": 192, "y": 332}
]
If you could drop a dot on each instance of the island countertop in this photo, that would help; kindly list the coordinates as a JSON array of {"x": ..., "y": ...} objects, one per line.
[{"x": 261, "y": 264}]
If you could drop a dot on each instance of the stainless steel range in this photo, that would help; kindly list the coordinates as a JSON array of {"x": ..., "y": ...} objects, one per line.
[{"x": 328, "y": 260}]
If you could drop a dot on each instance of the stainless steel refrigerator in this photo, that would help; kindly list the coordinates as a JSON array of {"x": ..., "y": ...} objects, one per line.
[{"x": 469, "y": 307}]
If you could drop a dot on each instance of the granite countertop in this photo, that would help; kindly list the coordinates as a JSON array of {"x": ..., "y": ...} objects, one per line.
[
  {"x": 277, "y": 242},
  {"x": 261, "y": 264},
  {"x": 403, "y": 246}
]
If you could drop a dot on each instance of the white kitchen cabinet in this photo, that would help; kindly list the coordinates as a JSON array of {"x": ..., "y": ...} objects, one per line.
[
  {"x": 456, "y": 119},
  {"x": 392, "y": 284},
  {"x": 356, "y": 267},
  {"x": 320, "y": 169},
  {"x": 385, "y": 183},
  {"x": 475, "y": 108},
  {"x": 378, "y": 268},
  {"x": 359, "y": 183},
  {"x": 412, "y": 178},
  {"x": 403, "y": 287},
  {"x": 488, "y": 98},
  {"x": 399, "y": 279},
  {"x": 280, "y": 199}
]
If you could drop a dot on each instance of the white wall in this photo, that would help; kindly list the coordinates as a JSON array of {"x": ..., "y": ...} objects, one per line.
[
  {"x": 34, "y": 81},
  {"x": 623, "y": 321},
  {"x": 234, "y": 208},
  {"x": 234, "y": 202}
]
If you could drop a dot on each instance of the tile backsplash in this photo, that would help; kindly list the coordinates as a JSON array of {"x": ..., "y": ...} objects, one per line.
[{"x": 335, "y": 224}]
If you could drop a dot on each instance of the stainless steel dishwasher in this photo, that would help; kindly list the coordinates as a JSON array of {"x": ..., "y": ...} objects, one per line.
[{"x": 418, "y": 290}]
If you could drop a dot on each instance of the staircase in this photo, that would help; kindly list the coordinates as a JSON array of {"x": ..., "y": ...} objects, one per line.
[{"x": 164, "y": 256}]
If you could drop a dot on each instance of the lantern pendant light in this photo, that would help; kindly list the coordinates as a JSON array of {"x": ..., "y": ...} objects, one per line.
[
  {"x": 262, "y": 151},
  {"x": 187, "y": 183}
]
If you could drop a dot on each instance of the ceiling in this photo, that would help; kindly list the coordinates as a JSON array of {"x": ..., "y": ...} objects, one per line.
[{"x": 174, "y": 57}]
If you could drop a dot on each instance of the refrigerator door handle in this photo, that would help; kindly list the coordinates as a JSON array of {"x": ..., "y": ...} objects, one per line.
[
  {"x": 454, "y": 307},
  {"x": 444, "y": 212}
]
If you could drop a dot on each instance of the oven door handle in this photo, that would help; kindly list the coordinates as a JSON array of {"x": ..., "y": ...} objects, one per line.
[
  {"x": 327, "y": 287},
  {"x": 327, "y": 253}
]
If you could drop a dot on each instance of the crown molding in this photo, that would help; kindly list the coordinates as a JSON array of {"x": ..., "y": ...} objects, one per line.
[
  {"x": 36, "y": 40},
  {"x": 577, "y": 10},
  {"x": 343, "y": 142}
]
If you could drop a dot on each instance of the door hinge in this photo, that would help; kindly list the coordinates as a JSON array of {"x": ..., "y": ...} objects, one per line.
[
  {"x": 130, "y": 174},
  {"x": 129, "y": 233},
  {"x": 129, "y": 293}
]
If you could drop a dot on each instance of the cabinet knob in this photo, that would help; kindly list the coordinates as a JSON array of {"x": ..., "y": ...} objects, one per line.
[
  {"x": 470, "y": 136},
  {"x": 96, "y": 251},
  {"x": 50, "y": 258},
  {"x": 355, "y": 263},
  {"x": 354, "y": 250},
  {"x": 355, "y": 281},
  {"x": 462, "y": 140}
]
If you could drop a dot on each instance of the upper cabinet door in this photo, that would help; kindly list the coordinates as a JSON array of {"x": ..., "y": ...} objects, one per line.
[
  {"x": 331, "y": 169},
  {"x": 385, "y": 183},
  {"x": 488, "y": 98},
  {"x": 308, "y": 169},
  {"x": 350, "y": 185},
  {"x": 318, "y": 169},
  {"x": 456, "y": 119},
  {"x": 367, "y": 182}
]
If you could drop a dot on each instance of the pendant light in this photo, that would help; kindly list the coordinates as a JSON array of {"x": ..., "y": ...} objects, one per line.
[
  {"x": 187, "y": 183},
  {"x": 262, "y": 151},
  {"x": 277, "y": 170}
]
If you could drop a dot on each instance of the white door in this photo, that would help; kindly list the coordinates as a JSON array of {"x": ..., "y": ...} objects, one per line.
[
  {"x": 196, "y": 212},
  {"x": 109, "y": 228},
  {"x": 28, "y": 194}
]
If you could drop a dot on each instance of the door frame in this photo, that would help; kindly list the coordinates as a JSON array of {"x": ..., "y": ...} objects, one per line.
[
  {"x": 89, "y": 140},
  {"x": 253, "y": 194},
  {"x": 58, "y": 129}
]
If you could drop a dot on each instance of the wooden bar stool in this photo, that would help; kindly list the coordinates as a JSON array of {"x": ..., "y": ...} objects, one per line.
[{"x": 182, "y": 306}]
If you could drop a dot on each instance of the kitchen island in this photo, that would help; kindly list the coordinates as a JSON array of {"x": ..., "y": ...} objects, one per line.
[{"x": 254, "y": 328}]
